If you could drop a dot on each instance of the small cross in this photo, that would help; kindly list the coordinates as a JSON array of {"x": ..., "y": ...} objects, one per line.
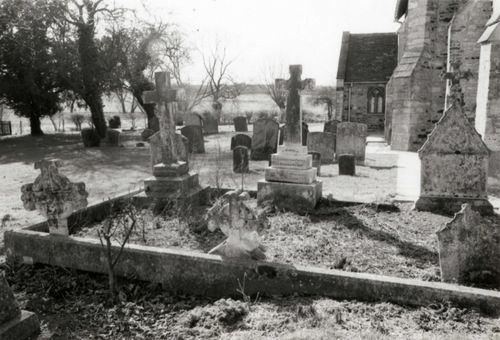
[
  {"x": 294, "y": 85},
  {"x": 162, "y": 96}
]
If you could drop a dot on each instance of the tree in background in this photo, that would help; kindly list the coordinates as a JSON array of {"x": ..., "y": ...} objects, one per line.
[
  {"x": 278, "y": 95},
  {"x": 30, "y": 81},
  {"x": 220, "y": 84},
  {"x": 325, "y": 96}
]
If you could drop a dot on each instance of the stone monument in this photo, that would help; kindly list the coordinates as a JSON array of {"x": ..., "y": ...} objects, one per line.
[
  {"x": 172, "y": 178},
  {"x": 15, "y": 324},
  {"x": 54, "y": 196},
  {"x": 291, "y": 181}
]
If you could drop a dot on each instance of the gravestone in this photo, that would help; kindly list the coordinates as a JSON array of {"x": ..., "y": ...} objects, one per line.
[
  {"x": 113, "y": 137},
  {"x": 172, "y": 179},
  {"x": 210, "y": 124},
  {"x": 351, "y": 139},
  {"x": 330, "y": 126},
  {"x": 305, "y": 131},
  {"x": 347, "y": 165},
  {"x": 14, "y": 323},
  {"x": 237, "y": 216},
  {"x": 54, "y": 196},
  {"x": 290, "y": 182},
  {"x": 240, "y": 124},
  {"x": 195, "y": 136},
  {"x": 240, "y": 160},
  {"x": 316, "y": 161},
  {"x": 264, "y": 139},
  {"x": 469, "y": 250},
  {"x": 191, "y": 119},
  {"x": 5, "y": 128},
  {"x": 324, "y": 143},
  {"x": 241, "y": 140},
  {"x": 454, "y": 167}
]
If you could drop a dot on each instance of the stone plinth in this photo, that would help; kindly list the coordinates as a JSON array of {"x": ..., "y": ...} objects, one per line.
[
  {"x": 172, "y": 187},
  {"x": 290, "y": 196}
]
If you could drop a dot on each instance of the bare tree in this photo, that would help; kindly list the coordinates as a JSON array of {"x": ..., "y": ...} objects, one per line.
[
  {"x": 277, "y": 94},
  {"x": 220, "y": 84}
]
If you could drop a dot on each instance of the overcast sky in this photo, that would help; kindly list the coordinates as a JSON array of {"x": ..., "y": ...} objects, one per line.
[{"x": 266, "y": 33}]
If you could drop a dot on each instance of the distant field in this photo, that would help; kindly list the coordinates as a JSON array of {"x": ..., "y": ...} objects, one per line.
[{"x": 254, "y": 103}]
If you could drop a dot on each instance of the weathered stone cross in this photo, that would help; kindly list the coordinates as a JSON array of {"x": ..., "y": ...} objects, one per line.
[
  {"x": 294, "y": 85},
  {"x": 163, "y": 95}
]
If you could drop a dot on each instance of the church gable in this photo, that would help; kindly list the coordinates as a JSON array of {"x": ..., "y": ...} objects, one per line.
[{"x": 453, "y": 134}]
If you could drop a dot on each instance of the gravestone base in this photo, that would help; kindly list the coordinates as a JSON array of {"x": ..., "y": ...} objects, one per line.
[
  {"x": 452, "y": 205},
  {"x": 292, "y": 161},
  {"x": 299, "y": 176},
  {"x": 292, "y": 149},
  {"x": 186, "y": 187},
  {"x": 22, "y": 327},
  {"x": 290, "y": 196},
  {"x": 170, "y": 170}
]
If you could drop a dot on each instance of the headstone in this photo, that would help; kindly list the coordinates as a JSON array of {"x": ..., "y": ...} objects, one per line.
[
  {"x": 240, "y": 124},
  {"x": 351, "y": 139},
  {"x": 454, "y": 167},
  {"x": 316, "y": 161},
  {"x": 291, "y": 181},
  {"x": 240, "y": 159},
  {"x": 14, "y": 323},
  {"x": 347, "y": 165},
  {"x": 54, "y": 196},
  {"x": 324, "y": 143},
  {"x": 305, "y": 131},
  {"x": 210, "y": 124},
  {"x": 195, "y": 136},
  {"x": 113, "y": 137},
  {"x": 264, "y": 139},
  {"x": 331, "y": 127},
  {"x": 238, "y": 218},
  {"x": 172, "y": 178},
  {"x": 241, "y": 140},
  {"x": 193, "y": 119},
  {"x": 469, "y": 250}
]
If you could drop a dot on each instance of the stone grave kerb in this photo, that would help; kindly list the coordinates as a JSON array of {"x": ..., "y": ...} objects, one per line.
[{"x": 54, "y": 196}]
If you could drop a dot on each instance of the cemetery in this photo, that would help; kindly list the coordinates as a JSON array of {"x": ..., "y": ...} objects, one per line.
[{"x": 303, "y": 222}]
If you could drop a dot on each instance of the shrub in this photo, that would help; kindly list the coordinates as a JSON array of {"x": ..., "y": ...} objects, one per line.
[
  {"x": 115, "y": 122},
  {"x": 78, "y": 119}
]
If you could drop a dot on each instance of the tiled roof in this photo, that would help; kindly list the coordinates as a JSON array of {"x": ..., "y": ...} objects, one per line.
[{"x": 367, "y": 57}]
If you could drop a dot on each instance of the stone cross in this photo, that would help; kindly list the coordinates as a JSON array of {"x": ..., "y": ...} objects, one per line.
[
  {"x": 54, "y": 196},
  {"x": 162, "y": 96},
  {"x": 293, "y": 113}
]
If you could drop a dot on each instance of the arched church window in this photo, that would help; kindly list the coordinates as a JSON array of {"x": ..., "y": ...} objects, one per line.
[{"x": 376, "y": 100}]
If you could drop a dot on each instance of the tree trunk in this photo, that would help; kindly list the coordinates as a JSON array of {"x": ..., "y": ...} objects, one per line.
[{"x": 36, "y": 126}]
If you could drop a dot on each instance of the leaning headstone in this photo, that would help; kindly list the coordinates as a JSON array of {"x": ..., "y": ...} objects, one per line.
[
  {"x": 172, "y": 179},
  {"x": 291, "y": 181},
  {"x": 14, "y": 323},
  {"x": 113, "y": 137},
  {"x": 316, "y": 157},
  {"x": 347, "y": 165},
  {"x": 240, "y": 124},
  {"x": 241, "y": 140},
  {"x": 195, "y": 136},
  {"x": 193, "y": 119},
  {"x": 324, "y": 143},
  {"x": 469, "y": 250},
  {"x": 210, "y": 124},
  {"x": 454, "y": 167},
  {"x": 54, "y": 196},
  {"x": 351, "y": 139},
  {"x": 240, "y": 160},
  {"x": 264, "y": 139},
  {"x": 238, "y": 218}
]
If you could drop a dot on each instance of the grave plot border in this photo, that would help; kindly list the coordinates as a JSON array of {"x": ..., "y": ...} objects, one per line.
[{"x": 195, "y": 273}]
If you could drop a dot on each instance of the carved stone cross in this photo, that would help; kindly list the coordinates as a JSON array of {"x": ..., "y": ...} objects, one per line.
[
  {"x": 171, "y": 165},
  {"x": 54, "y": 196},
  {"x": 294, "y": 85}
]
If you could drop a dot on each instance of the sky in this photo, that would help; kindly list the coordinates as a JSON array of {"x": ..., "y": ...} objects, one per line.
[{"x": 263, "y": 35}]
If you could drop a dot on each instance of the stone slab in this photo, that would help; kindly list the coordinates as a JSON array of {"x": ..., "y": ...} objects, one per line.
[
  {"x": 290, "y": 175},
  {"x": 24, "y": 326},
  {"x": 300, "y": 198},
  {"x": 291, "y": 161},
  {"x": 209, "y": 275},
  {"x": 167, "y": 187},
  {"x": 450, "y": 205},
  {"x": 170, "y": 170},
  {"x": 293, "y": 148}
]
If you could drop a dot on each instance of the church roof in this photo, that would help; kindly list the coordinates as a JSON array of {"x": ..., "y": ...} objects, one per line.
[
  {"x": 454, "y": 134},
  {"x": 401, "y": 9},
  {"x": 367, "y": 57}
]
